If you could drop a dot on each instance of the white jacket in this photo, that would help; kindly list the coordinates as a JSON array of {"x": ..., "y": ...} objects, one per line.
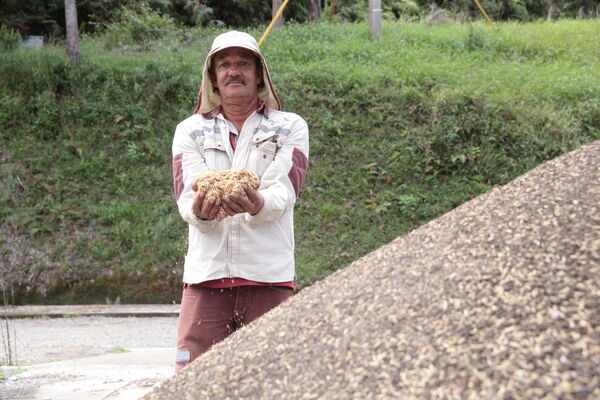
[{"x": 260, "y": 247}]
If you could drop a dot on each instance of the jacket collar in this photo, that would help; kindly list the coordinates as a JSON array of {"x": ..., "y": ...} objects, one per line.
[{"x": 261, "y": 108}]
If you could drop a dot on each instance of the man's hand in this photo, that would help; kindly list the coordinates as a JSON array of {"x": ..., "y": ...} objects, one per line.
[
  {"x": 235, "y": 203},
  {"x": 206, "y": 210}
]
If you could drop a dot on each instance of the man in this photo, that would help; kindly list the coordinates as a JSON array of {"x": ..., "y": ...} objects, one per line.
[{"x": 239, "y": 266}]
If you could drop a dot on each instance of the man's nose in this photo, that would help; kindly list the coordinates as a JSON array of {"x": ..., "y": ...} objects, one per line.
[{"x": 234, "y": 70}]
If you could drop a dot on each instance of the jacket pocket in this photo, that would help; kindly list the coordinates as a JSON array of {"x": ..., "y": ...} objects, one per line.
[
  {"x": 215, "y": 153},
  {"x": 262, "y": 152}
]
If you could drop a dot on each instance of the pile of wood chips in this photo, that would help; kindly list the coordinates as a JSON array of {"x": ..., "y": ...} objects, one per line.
[
  {"x": 499, "y": 299},
  {"x": 217, "y": 184}
]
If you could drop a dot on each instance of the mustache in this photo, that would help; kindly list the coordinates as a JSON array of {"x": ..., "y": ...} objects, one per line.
[{"x": 234, "y": 79}]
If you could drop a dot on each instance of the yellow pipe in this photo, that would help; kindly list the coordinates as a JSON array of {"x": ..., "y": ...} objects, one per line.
[
  {"x": 483, "y": 12},
  {"x": 264, "y": 35}
]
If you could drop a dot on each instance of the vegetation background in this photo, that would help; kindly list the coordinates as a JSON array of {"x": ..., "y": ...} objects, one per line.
[
  {"x": 48, "y": 16},
  {"x": 403, "y": 128}
]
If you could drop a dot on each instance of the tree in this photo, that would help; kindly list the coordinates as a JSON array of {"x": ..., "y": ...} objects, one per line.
[
  {"x": 72, "y": 31},
  {"x": 314, "y": 8}
]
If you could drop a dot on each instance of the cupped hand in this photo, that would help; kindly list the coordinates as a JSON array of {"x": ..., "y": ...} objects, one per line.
[
  {"x": 252, "y": 203},
  {"x": 205, "y": 208}
]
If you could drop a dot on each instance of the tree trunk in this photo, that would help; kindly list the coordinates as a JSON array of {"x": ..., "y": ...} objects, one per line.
[
  {"x": 314, "y": 9},
  {"x": 276, "y": 5},
  {"x": 72, "y": 31}
]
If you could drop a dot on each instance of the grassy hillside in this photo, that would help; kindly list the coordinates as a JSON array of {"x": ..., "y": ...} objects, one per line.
[{"x": 403, "y": 129}]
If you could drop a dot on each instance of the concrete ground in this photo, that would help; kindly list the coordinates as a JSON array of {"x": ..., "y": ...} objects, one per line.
[{"x": 96, "y": 353}]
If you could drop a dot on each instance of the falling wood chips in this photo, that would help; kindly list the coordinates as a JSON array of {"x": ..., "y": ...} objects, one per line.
[{"x": 498, "y": 299}]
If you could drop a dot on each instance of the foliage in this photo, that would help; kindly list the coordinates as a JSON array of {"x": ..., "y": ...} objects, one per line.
[
  {"x": 241, "y": 12},
  {"x": 403, "y": 129},
  {"x": 47, "y": 16},
  {"x": 33, "y": 17},
  {"x": 9, "y": 39},
  {"x": 353, "y": 10},
  {"x": 200, "y": 14},
  {"x": 137, "y": 26},
  {"x": 498, "y": 10}
]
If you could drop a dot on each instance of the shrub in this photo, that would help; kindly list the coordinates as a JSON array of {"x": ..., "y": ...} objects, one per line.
[
  {"x": 138, "y": 26},
  {"x": 9, "y": 40}
]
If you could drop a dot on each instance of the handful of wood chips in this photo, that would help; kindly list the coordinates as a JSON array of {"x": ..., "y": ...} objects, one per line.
[{"x": 218, "y": 184}]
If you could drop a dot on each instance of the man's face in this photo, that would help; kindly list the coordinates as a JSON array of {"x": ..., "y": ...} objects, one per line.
[{"x": 236, "y": 74}]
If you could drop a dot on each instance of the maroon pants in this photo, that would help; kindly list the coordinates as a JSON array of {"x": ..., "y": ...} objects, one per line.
[{"x": 208, "y": 315}]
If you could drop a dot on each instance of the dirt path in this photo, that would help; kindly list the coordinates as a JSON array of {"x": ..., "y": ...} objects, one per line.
[{"x": 89, "y": 358}]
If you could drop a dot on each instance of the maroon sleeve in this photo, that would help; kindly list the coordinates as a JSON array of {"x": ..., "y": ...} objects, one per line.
[
  {"x": 177, "y": 176},
  {"x": 298, "y": 171}
]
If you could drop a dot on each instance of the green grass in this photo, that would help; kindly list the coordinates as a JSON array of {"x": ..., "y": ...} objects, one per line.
[{"x": 403, "y": 129}]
